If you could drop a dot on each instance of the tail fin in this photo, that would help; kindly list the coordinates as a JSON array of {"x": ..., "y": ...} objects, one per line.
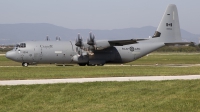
[{"x": 169, "y": 28}]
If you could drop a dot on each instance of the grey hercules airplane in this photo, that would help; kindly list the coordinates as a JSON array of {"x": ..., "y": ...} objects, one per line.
[{"x": 98, "y": 52}]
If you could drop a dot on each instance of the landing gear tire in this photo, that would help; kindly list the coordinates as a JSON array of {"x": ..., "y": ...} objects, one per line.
[
  {"x": 82, "y": 64},
  {"x": 25, "y": 64}
]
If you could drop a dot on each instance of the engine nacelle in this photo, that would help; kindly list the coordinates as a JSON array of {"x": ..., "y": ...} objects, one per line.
[{"x": 103, "y": 44}]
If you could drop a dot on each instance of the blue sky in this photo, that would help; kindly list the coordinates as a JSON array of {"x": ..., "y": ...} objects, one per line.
[{"x": 99, "y": 14}]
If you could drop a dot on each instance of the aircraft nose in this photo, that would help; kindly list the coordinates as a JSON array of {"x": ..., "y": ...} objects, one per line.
[{"x": 10, "y": 55}]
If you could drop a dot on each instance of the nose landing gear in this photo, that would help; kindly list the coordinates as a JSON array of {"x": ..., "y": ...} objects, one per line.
[{"x": 25, "y": 64}]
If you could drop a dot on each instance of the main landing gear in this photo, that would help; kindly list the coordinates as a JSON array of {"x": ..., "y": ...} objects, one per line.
[
  {"x": 25, "y": 64},
  {"x": 84, "y": 64}
]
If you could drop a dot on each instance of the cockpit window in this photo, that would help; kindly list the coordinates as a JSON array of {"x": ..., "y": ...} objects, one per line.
[{"x": 22, "y": 45}]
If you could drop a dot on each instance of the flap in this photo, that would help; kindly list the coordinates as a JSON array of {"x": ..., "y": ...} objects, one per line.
[{"x": 124, "y": 42}]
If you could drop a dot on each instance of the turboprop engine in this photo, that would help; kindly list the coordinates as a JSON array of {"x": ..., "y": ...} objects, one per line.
[
  {"x": 82, "y": 56},
  {"x": 91, "y": 43}
]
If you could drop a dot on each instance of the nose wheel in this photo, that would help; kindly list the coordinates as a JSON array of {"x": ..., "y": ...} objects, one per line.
[{"x": 25, "y": 64}]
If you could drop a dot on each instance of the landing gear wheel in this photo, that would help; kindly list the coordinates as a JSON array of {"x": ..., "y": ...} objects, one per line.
[
  {"x": 82, "y": 64},
  {"x": 90, "y": 64},
  {"x": 25, "y": 64}
]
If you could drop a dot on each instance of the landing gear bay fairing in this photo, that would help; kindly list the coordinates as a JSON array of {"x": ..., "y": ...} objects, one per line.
[{"x": 98, "y": 52}]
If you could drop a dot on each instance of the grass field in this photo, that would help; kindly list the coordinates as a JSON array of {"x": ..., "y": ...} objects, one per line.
[
  {"x": 80, "y": 72},
  {"x": 163, "y": 96},
  {"x": 169, "y": 58},
  {"x": 142, "y": 96},
  {"x": 145, "y": 66}
]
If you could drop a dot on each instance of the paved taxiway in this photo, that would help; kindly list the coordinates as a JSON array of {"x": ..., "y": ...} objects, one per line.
[{"x": 82, "y": 80}]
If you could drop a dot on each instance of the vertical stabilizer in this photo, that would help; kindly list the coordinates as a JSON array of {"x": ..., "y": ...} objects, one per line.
[{"x": 169, "y": 28}]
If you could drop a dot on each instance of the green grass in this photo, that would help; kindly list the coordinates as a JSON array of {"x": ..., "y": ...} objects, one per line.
[
  {"x": 163, "y": 96},
  {"x": 144, "y": 96},
  {"x": 79, "y": 72},
  {"x": 169, "y": 58}
]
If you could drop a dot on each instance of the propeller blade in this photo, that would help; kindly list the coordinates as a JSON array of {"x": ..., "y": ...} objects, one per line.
[
  {"x": 79, "y": 41},
  {"x": 90, "y": 40},
  {"x": 79, "y": 36},
  {"x": 93, "y": 37},
  {"x": 90, "y": 35}
]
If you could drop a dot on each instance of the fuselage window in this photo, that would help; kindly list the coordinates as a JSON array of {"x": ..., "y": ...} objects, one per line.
[{"x": 22, "y": 45}]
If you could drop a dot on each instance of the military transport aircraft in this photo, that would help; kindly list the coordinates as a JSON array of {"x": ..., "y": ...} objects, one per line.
[{"x": 98, "y": 52}]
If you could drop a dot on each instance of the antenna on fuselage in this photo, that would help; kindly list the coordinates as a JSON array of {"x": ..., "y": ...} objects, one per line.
[
  {"x": 47, "y": 38},
  {"x": 57, "y": 38}
]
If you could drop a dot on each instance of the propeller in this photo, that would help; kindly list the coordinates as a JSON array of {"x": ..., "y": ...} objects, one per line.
[
  {"x": 91, "y": 40},
  {"x": 79, "y": 41},
  {"x": 79, "y": 44},
  {"x": 57, "y": 38},
  {"x": 80, "y": 49}
]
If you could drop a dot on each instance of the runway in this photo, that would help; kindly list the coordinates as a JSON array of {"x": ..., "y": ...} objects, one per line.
[{"x": 103, "y": 79}]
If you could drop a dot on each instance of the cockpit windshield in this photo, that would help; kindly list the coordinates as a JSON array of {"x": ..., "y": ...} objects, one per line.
[{"x": 21, "y": 45}]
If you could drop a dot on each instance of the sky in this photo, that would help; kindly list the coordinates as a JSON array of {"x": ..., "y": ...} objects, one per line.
[{"x": 99, "y": 14}]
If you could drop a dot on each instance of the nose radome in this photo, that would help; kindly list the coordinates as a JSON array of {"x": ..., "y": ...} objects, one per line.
[{"x": 10, "y": 55}]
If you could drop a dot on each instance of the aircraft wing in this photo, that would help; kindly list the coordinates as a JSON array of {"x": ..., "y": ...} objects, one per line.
[{"x": 124, "y": 42}]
